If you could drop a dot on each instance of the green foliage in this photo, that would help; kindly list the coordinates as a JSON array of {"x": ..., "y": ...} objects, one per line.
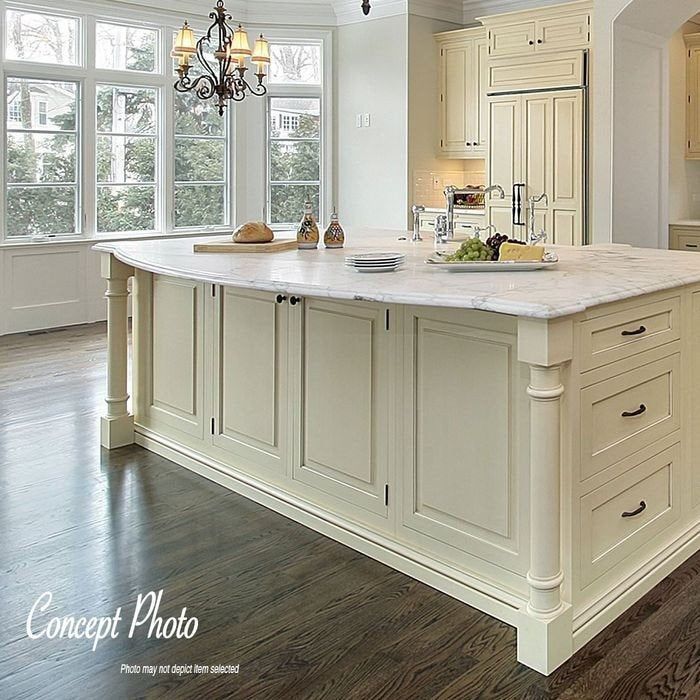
[{"x": 297, "y": 161}]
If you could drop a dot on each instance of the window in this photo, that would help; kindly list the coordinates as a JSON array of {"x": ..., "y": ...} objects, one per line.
[
  {"x": 41, "y": 166},
  {"x": 42, "y": 38},
  {"x": 294, "y": 133},
  {"x": 126, "y": 48},
  {"x": 42, "y": 109},
  {"x": 127, "y": 119},
  {"x": 201, "y": 164},
  {"x": 295, "y": 64}
]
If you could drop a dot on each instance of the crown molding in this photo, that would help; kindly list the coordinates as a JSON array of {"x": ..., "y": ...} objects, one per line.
[
  {"x": 472, "y": 9},
  {"x": 445, "y": 10}
]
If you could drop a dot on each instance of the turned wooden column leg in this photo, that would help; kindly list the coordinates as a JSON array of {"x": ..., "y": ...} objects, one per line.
[
  {"x": 545, "y": 574},
  {"x": 117, "y": 425},
  {"x": 545, "y": 627}
]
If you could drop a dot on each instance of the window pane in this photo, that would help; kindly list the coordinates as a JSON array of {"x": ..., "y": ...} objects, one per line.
[
  {"x": 126, "y": 110},
  {"x": 41, "y": 104},
  {"x": 124, "y": 159},
  {"x": 195, "y": 117},
  {"x": 126, "y": 208},
  {"x": 200, "y": 205},
  {"x": 41, "y": 158},
  {"x": 295, "y": 63},
  {"x": 295, "y": 118},
  {"x": 44, "y": 38},
  {"x": 295, "y": 160},
  {"x": 126, "y": 48},
  {"x": 200, "y": 160},
  {"x": 287, "y": 202},
  {"x": 40, "y": 210}
]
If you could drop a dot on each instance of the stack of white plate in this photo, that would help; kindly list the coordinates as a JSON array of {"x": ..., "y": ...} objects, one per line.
[{"x": 375, "y": 262}]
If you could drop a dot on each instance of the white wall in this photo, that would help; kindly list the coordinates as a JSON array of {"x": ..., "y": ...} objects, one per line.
[
  {"x": 371, "y": 163},
  {"x": 640, "y": 141}
]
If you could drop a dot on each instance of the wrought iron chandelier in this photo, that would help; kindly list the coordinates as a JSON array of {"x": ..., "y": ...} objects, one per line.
[{"x": 225, "y": 81}]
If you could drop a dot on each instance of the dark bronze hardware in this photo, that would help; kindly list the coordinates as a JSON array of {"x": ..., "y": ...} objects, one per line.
[
  {"x": 632, "y": 513},
  {"x": 532, "y": 43},
  {"x": 629, "y": 414},
  {"x": 294, "y": 300},
  {"x": 281, "y": 298},
  {"x": 539, "y": 41},
  {"x": 639, "y": 331}
]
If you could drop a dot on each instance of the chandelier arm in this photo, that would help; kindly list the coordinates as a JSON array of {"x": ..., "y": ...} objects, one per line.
[{"x": 204, "y": 86}]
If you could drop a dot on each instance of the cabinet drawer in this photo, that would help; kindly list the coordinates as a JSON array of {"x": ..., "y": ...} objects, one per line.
[
  {"x": 619, "y": 335},
  {"x": 427, "y": 225},
  {"x": 628, "y": 412},
  {"x": 689, "y": 242},
  {"x": 557, "y": 70},
  {"x": 621, "y": 518}
]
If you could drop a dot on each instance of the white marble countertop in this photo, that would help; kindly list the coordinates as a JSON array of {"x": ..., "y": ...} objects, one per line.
[{"x": 585, "y": 277}]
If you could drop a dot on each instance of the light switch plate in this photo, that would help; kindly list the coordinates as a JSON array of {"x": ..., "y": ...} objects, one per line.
[
  {"x": 358, "y": 121},
  {"x": 366, "y": 120}
]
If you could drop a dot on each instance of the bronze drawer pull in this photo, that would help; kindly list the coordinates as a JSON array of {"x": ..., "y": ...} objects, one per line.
[
  {"x": 632, "y": 513},
  {"x": 639, "y": 331},
  {"x": 638, "y": 412}
]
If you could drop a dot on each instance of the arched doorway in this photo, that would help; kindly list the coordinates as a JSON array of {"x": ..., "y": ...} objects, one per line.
[{"x": 631, "y": 127}]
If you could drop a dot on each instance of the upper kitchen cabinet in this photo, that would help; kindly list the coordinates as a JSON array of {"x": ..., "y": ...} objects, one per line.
[
  {"x": 562, "y": 27},
  {"x": 692, "y": 42},
  {"x": 463, "y": 109}
]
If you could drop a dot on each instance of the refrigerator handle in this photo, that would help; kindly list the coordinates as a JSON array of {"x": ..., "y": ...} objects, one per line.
[{"x": 518, "y": 188}]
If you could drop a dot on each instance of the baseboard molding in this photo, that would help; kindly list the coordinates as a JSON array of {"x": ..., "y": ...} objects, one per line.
[
  {"x": 597, "y": 617},
  {"x": 474, "y": 592}
]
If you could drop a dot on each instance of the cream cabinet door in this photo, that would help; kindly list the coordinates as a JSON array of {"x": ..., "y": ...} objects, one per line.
[
  {"x": 480, "y": 104},
  {"x": 512, "y": 39},
  {"x": 250, "y": 419},
  {"x": 341, "y": 397},
  {"x": 465, "y": 431},
  {"x": 694, "y": 432},
  {"x": 505, "y": 158},
  {"x": 457, "y": 69},
  {"x": 693, "y": 105},
  {"x": 170, "y": 362},
  {"x": 563, "y": 33}
]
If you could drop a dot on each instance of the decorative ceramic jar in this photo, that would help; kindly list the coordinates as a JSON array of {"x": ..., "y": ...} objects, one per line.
[
  {"x": 307, "y": 234},
  {"x": 334, "y": 237}
]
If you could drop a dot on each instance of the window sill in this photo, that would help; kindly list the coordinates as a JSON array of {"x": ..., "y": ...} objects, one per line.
[{"x": 109, "y": 237}]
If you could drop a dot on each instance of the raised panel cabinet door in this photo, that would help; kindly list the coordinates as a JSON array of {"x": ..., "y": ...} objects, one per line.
[
  {"x": 693, "y": 106},
  {"x": 456, "y": 87},
  {"x": 250, "y": 379},
  {"x": 553, "y": 33},
  {"x": 512, "y": 39},
  {"x": 478, "y": 99},
  {"x": 695, "y": 403},
  {"x": 173, "y": 366},
  {"x": 505, "y": 153},
  {"x": 465, "y": 458},
  {"x": 343, "y": 394}
]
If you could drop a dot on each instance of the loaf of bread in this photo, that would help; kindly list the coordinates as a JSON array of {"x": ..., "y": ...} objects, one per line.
[
  {"x": 253, "y": 232},
  {"x": 515, "y": 251}
]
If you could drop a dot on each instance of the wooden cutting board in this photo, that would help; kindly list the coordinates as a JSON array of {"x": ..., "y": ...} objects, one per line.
[{"x": 276, "y": 246}]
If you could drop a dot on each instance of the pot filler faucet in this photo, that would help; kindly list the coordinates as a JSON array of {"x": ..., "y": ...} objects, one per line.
[
  {"x": 532, "y": 237},
  {"x": 452, "y": 191}
]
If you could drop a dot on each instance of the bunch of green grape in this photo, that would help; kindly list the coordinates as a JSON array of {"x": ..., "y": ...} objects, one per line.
[{"x": 472, "y": 250}]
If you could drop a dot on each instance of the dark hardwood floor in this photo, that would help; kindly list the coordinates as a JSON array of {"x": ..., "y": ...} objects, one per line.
[{"x": 304, "y": 617}]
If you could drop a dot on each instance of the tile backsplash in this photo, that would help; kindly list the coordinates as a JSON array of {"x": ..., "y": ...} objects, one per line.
[{"x": 428, "y": 186}]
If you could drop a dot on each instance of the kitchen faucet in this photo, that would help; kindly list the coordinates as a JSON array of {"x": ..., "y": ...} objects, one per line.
[
  {"x": 450, "y": 193},
  {"x": 532, "y": 237}
]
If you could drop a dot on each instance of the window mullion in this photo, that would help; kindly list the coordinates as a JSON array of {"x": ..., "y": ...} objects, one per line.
[{"x": 89, "y": 134}]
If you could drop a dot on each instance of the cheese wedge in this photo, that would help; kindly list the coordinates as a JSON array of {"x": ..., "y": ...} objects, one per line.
[{"x": 514, "y": 251}]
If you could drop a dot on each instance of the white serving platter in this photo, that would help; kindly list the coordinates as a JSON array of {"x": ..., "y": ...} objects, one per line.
[{"x": 550, "y": 260}]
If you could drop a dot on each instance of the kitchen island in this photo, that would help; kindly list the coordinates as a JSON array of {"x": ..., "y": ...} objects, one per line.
[{"x": 524, "y": 442}]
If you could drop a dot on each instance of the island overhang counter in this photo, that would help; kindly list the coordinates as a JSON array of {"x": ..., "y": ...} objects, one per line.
[{"x": 525, "y": 441}]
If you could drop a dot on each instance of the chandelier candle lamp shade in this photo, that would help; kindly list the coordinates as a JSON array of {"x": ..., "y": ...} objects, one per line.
[{"x": 226, "y": 79}]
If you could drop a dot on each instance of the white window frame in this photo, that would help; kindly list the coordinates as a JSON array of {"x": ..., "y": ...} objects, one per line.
[
  {"x": 323, "y": 91},
  {"x": 166, "y": 24}
]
